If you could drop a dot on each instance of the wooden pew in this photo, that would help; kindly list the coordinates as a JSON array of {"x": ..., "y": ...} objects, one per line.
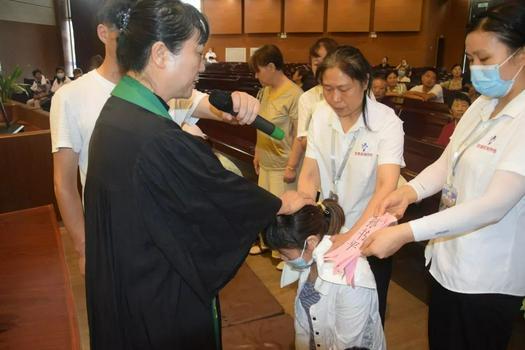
[
  {"x": 423, "y": 120},
  {"x": 235, "y": 140},
  {"x": 36, "y": 302},
  {"x": 26, "y": 163}
]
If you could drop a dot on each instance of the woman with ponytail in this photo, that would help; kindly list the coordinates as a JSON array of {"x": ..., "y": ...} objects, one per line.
[{"x": 329, "y": 314}]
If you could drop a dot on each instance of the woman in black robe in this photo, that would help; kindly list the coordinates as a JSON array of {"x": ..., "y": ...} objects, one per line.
[{"x": 166, "y": 225}]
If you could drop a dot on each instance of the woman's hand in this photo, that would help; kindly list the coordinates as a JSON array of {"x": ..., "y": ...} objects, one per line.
[
  {"x": 385, "y": 242},
  {"x": 396, "y": 203},
  {"x": 340, "y": 239},
  {"x": 246, "y": 107},
  {"x": 289, "y": 175},
  {"x": 293, "y": 201}
]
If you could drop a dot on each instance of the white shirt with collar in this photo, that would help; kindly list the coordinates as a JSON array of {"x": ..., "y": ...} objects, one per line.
[
  {"x": 488, "y": 259},
  {"x": 381, "y": 143},
  {"x": 345, "y": 316},
  {"x": 75, "y": 109},
  {"x": 307, "y": 103}
]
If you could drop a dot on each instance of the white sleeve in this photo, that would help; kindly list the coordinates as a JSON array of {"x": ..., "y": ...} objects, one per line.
[
  {"x": 505, "y": 190},
  {"x": 513, "y": 158},
  {"x": 432, "y": 179},
  {"x": 312, "y": 151},
  {"x": 438, "y": 91},
  {"x": 65, "y": 132},
  {"x": 304, "y": 115},
  {"x": 391, "y": 143},
  {"x": 181, "y": 110}
]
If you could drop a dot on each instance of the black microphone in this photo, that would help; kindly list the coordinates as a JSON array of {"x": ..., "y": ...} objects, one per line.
[{"x": 222, "y": 100}]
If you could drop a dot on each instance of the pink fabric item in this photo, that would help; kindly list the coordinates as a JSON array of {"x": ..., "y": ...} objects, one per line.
[{"x": 345, "y": 257}]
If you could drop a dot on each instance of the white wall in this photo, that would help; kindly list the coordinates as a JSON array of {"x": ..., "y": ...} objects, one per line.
[{"x": 28, "y": 11}]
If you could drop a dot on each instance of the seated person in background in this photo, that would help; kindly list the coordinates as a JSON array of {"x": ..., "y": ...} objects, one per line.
[
  {"x": 403, "y": 64},
  {"x": 379, "y": 87},
  {"x": 211, "y": 57},
  {"x": 460, "y": 102},
  {"x": 384, "y": 64},
  {"x": 40, "y": 88},
  {"x": 393, "y": 86},
  {"x": 344, "y": 315},
  {"x": 428, "y": 90},
  {"x": 60, "y": 79},
  {"x": 456, "y": 82},
  {"x": 300, "y": 76},
  {"x": 77, "y": 73},
  {"x": 403, "y": 75}
]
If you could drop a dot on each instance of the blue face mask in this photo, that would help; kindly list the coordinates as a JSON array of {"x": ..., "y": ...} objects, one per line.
[
  {"x": 299, "y": 263},
  {"x": 487, "y": 79}
]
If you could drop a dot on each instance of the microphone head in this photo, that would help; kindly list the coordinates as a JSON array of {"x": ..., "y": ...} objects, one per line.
[{"x": 222, "y": 100}]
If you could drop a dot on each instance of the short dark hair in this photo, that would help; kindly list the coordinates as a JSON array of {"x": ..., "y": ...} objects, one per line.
[
  {"x": 265, "y": 55},
  {"x": 353, "y": 63},
  {"x": 430, "y": 69},
  {"x": 379, "y": 76},
  {"x": 458, "y": 95},
  {"x": 149, "y": 21},
  {"x": 291, "y": 231},
  {"x": 329, "y": 44},
  {"x": 77, "y": 70},
  {"x": 506, "y": 21},
  {"x": 37, "y": 71},
  {"x": 110, "y": 12},
  {"x": 392, "y": 71}
]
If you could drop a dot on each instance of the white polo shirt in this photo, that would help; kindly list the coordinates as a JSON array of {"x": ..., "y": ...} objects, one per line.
[
  {"x": 437, "y": 90},
  {"x": 75, "y": 109},
  {"x": 490, "y": 259},
  {"x": 307, "y": 103},
  {"x": 383, "y": 144}
]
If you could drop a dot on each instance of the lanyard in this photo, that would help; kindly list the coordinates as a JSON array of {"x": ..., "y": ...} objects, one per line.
[
  {"x": 465, "y": 144},
  {"x": 336, "y": 175}
]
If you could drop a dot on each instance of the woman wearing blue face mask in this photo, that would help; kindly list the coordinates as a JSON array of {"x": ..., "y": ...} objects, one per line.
[
  {"x": 476, "y": 240},
  {"x": 329, "y": 314}
]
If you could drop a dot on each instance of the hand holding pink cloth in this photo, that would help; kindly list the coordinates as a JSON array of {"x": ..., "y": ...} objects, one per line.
[{"x": 345, "y": 257}]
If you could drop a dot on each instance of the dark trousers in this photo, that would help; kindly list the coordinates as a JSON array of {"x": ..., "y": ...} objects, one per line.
[
  {"x": 382, "y": 270},
  {"x": 458, "y": 321}
]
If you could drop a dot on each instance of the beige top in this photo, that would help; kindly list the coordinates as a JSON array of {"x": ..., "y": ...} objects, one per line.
[{"x": 280, "y": 107}]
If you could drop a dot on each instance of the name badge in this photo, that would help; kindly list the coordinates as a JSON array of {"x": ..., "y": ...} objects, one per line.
[{"x": 449, "y": 195}]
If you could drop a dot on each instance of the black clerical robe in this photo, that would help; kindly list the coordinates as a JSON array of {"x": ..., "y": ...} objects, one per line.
[{"x": 166, "y": 228}]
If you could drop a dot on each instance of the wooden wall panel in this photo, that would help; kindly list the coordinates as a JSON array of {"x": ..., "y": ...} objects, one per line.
[
  {"x": 398, "y": 15},
  {"x": 30, "y": 46},
  {"x": 225, "y": 17},
  {"x": 303, "y": 16},
  {"x": 455, "y": 31},
  {"x": 262, "y": 16},
  {"x": 348, "y": 15}
]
